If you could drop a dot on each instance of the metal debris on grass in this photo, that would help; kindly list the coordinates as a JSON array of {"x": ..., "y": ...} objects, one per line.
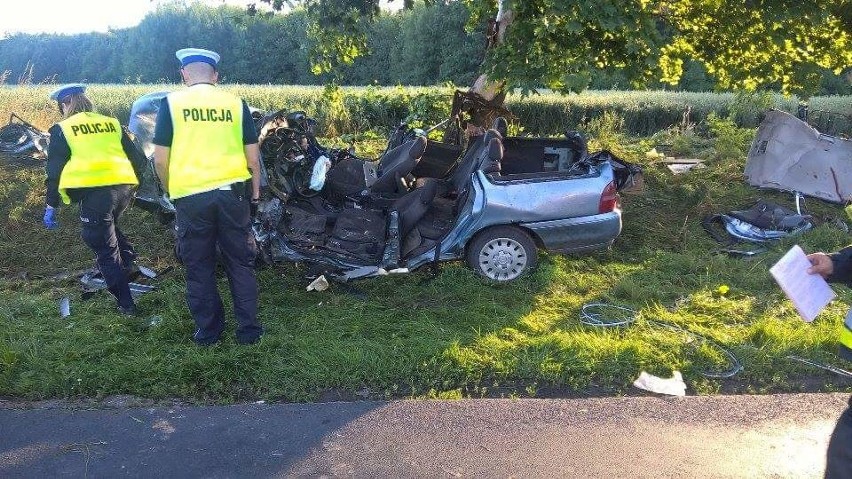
[
  {"x": 93, "y": 281},
  {"x": 20, "y": 138},
  {"x": 64, "y": 307},
  {"x": 840, "y": 372},
  {"x": 602, "y": 315}
]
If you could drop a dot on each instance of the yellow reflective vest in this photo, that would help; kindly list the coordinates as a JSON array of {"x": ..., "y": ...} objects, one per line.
[
  {"x": 97, "y": 157},
  {"x": 207, "y": 149},
  {"x": 846, "y": 340}
]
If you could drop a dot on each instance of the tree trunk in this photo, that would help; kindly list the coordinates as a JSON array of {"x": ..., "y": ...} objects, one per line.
[
  {"x": 474, "y": 111},
  {"x": 493, "y": 91}
]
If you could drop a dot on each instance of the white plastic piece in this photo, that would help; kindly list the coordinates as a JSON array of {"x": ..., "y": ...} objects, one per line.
[
  {"x": 319, "y": 284},
  {"x": 673, "y": 386},
  {"x": 64, "y": 307},
  {"x": 147, "y": 272},
  {"x": 362, "y": 272},
  {"x": 321, "y": 167}
]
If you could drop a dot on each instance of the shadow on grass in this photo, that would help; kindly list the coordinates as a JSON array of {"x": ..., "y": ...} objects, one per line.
[
  {"x": 411, "y": 336},
  {"x": 668, "y": 269},
  {"x": 331, "y": 345}
]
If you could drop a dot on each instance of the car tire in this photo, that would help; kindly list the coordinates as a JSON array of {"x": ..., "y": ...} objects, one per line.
[{"x": 502, "y": 253}]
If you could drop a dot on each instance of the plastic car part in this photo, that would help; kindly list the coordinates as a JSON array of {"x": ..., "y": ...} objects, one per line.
[
  {"x": 502, "y": 253},
  {"x": 789, "y": 155},
  {"x": 19, "y": 137},
  {"x": 93, "y": 282}
]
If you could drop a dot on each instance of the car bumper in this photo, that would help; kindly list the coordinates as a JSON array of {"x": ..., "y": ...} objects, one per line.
[{"x": 573, "y": 235}]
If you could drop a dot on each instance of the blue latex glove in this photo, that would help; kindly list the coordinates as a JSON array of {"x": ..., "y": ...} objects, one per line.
[{"x": 50, "y": 218}]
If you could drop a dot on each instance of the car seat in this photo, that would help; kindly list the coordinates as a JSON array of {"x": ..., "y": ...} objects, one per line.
[
  {"x": 473, "y": 160},
  {"x": 396, "y": 165},
  {"x": 352, "y": 176},
  {"x": 413, "y": 206}
]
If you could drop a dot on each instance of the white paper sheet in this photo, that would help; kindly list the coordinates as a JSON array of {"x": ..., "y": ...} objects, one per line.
[{"x": 809, "y": 293}]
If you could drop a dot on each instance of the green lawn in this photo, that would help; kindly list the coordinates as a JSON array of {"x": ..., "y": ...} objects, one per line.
[{"x": 417, "y": 335}]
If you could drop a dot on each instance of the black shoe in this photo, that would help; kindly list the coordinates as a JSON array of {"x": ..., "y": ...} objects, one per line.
[
  {"x": 206, "y": 341},
  {"x": 253, "y": 340},
  {"x": 132, "y": 272},
  {"x": 129, "y": 311}
]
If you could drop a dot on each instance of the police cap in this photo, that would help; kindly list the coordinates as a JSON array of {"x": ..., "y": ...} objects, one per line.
[
  {"x": 67, "y": 90},
  {"x": 192, "y": 55}
]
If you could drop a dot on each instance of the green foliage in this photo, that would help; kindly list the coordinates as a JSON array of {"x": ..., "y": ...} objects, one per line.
[
  {"x": 731, "y": 141},
  {"x": 332, "y": 110},
  {"x": 558, "y": 44},
  {"x": 424, "y": 45},
  {"x": 606, "y": 131},
  {"x": 747, "y": 108},
  {"x": 784, "y": 44},
  {"x": 145, "y": 53}
]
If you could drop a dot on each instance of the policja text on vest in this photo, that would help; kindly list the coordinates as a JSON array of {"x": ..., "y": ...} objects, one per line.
[
  {"x": 89, "y": 128},
  {"x": 207, "y": 114}
]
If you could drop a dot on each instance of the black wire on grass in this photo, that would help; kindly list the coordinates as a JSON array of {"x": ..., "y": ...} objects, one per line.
[
  {"x": 601, "y": 315},
  {"x": 840, "y": 372}
]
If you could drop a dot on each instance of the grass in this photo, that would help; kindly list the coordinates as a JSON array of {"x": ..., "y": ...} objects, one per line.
[
  {"x": 446, "y": 336},
  {"x": 371, "y": 108}
]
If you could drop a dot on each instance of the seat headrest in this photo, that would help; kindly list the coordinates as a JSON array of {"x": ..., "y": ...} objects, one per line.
[
  {"x": 501, "y": 125},
  {"x": 492, "y": 133},
  {"x": 417, "y": 148},
  {"x": 428, "y": 191},
  {"x": 495, "y": 150}
]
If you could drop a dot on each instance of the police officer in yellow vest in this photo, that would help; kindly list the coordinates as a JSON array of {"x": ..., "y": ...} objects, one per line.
[
  {"x": 207, "y": 157},
  {"x": 837, "y": 267},
  {"x": 93, "y": 162}
]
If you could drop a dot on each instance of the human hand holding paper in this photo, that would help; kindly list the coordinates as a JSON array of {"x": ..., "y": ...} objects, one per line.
[
  {"x": 801, "y": 279},
  {"x": 821, "y": 264}
]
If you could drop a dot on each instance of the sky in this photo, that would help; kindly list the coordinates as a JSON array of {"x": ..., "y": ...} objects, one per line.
[{"x": 80, "y": 16}]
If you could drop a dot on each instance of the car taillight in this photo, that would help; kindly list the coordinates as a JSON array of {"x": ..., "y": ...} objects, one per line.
[{"x": 609, "y": 198}]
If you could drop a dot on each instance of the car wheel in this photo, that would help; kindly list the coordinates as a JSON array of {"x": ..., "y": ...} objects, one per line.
[{"x": 502, "y": 253}]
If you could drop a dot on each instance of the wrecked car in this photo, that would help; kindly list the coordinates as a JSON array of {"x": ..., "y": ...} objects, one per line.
[
  {"x": 492, "y": 202},
  {"x": 789, "y": 155}
]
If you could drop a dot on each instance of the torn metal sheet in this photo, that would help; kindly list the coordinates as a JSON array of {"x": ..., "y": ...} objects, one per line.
[
  {"x": 20, "y": 137},
  {"x": 679, "y": 166},
  {"x": 365, "y": 272},
  {"x": 64, "y": 307},
  {"x": 147, "y": 272},
  {"x": 93, "y": 282},
  {"x": 788, "y": 154}
]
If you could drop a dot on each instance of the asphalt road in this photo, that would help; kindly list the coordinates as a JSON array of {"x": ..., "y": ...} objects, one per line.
[{"x": 721, "y": 436}]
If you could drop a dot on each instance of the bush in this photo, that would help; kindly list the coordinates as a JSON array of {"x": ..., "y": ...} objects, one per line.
[
  {"x": 373, "y": 108},
  {"x": 731, "y": 141}
]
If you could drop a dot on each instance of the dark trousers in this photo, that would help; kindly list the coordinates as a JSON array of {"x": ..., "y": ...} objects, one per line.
[
  {"x": 203, "y": 221},
  {"x": 100, "y": 210},
  {"x": 839, "y": 460}
]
